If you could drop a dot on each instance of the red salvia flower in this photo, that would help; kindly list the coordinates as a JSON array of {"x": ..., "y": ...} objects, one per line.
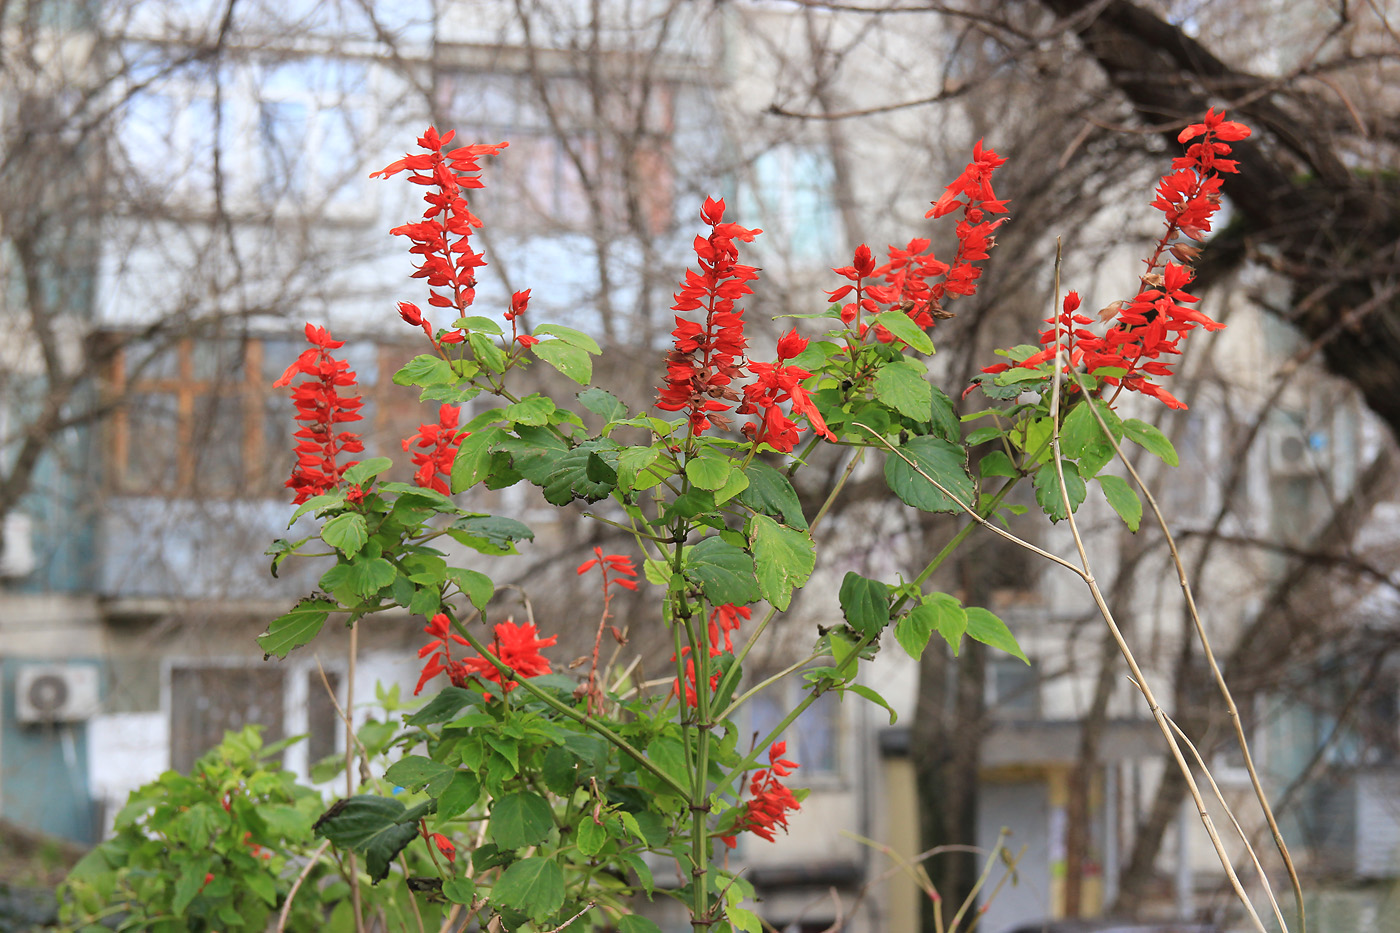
[
  {"x": 434, "y": 448},
  {"x": 518, "y": 647},
  {"x": 320, "y": 407},
  {"x": 724, "y": 621},
  {"x": 709, "y": 356},
  {"x": 769, "y": 801},
  {"x": 776, "y": 383},
  {"x": 442, "y": 239}
]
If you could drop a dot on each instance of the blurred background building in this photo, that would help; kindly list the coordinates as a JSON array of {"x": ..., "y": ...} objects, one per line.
[{"x": 184, "y": 182}]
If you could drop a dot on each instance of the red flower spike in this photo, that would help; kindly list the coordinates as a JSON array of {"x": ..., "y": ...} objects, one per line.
[
  {"x": 708, "y": 357},
  {"x": 770, "y": 802},
  {"x": 436, "y": 448},
  {"x": 320, "y": 407}
]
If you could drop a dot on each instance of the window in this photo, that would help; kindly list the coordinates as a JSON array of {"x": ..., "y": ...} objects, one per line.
[
  {"x": 1013, "y": 689},
  {"x": 790, "y": 195},
  {"x": 199, "y": 416},
  {"x": 562, "y": 140},
  {"x": 287, "y": 131},
  {"x": 813, "y": 741}
]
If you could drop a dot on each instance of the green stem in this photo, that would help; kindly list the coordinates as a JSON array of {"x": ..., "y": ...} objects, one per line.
[{"x": 582, "y": 718}]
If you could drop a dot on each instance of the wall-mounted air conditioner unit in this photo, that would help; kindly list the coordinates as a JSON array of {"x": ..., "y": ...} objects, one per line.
[
  {"x": 56, "y": 692},
  {"x": 1295, "y": 452},
  {"x": 16, "y": 546}
]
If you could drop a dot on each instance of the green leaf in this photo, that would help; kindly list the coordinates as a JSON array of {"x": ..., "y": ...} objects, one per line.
[
  {"x": 473, "y": 459},
  {"x": 1080, "y": 430},
  {"x": 771, "y": 493},
  {"x": 483, "y": 324},
  {"x": 574, "y": 338},
  {"x": 346, "y": 533},
  {"x": 478, "y": 586},
  {"x": 865, "y": 603},
  {"x": 1048, "y": 494},
  {"x": 295, "y": 628},
  {"x": 490, "y": 534},
  {"x": 533, "y": 886},
  {"x": 708, "y": 472},
  {"x": 1124, "y": 499},
  {"x": 603, "y": 404},
  {"x": 723, "y": 572},
  {"x": 635, "y": 923},
  {"x": 425, "y": 370},
  {"x": 639, "y": 867},
  {"x": 366, "y": 469},
  {"x": 996, "y": 463},
  {"x": 459, "y": 394},
  {"x": 533, "y": 410},
  {"x": 991, "y": 631},
  {"x": 1150, "y": 439},
  {"x": 784, "y": 558},
  {"x": 574, "y": 362},
  {"x": 913, "y": 632},
  {"x": 904, "y": 386},
  {"x": 944, "y": 417},
  {"x": 377, "y": 827},
  {"x": 520, "y": 819},
  {"x": 942, "y": 461},
  {"x": 873, "y": 697},
  {"x": 591, "y": 836},
  {"x": 587, "y": 472},
  {"x": 445, "y": 706},
  {"x": 902, "y": 326},
  {"x": 737, "y": 482},
  {"x": 632, "y": 461},
  {"x": 459, "y": 890},
  {"x": 486, "y": 352},
  {"x": 415, "y": 771},
  {"x": 460, "y": 795},
  {"x": 369, "y": 575},
  {"x": 946, "y": 615}
]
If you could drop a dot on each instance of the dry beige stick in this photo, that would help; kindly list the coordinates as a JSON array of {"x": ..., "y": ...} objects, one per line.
[
  {"x": 296, "y": 885},
  {"x": 1215, "y": 671},
  {"x": 1061, "y": 365}
]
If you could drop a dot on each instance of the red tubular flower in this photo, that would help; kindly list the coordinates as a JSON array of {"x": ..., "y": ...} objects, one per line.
[
  {"x": 769, "y": 801},
  {"x": 437, "y": 447},
  {"x": 320, "y": 407},
  {"x": 724, "y": 621},
  {"x": 709, "y": 356},
  {"x": 518, "y": 647},
  {"x": 443, "y": 238},
  {"x": 775, "y": 383},
  {"x": 616, "y": 563}
]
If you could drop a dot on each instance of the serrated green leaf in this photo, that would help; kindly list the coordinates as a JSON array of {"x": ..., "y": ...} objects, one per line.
[
  {"x": 985, "y": 627},
  {"x": 445, "y": 706},
  {"x": 947, "y": 616},
  {"x": 996, "y": 463},
  {"x": 708, "y": 472},
  {"x": 346, "y": 533},
  {"x": 534, "y": 886},
  {"x": 533, "y": 410},
  {"x": 377, "y": 827},
  {"x": 572, "y": 361},
  {"x": 296, "y": 627},
  {"x": 865, "y": 603},
  {"x": 904, "y": 386},
  {"x": 723, "y": 572},
  {"x": 486, "y": 352},
  {"x": 771, "y": 493},
  {"x": 603, "y": 404},
  {"x": 944, "y": 417},
  {"x": 1048, "y": 491},
  {"x": 414, "y": 771},
  {"x": 783, "y": 557},
  {"x": 369, "y": 575},
  {"x": 473, "y": 460},
  {"x": 366, "y": 469},
  {"x": 459, "y": 796},
  {"x": 1151, "y": 440},
  {"x": 737, "y": 482},
  {"x": 490, "y": 534},
  {"x": 587, "y": 472},
  {"x": 942, "y": 461},
  {"x": 902, "y": 326},
  {"x": 1080, "y": 431},
  {"x": 483, "y": 324},
  {"x": 459, "y": 890},
  {"x": 478, "y": 586},
  {"x": 425, "y": 370},
  {"x": 635, "y": 923},
  {"x": 1124, "y": 499},
  {"x": 575, "y": 338},
  {"x": 913, "y": 632},
  {"x": 591, "y": 836},
  {"x": 520, "y": 819}
]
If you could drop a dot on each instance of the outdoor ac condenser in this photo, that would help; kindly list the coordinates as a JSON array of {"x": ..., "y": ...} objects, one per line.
[{"x": 56, "y": 693}]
